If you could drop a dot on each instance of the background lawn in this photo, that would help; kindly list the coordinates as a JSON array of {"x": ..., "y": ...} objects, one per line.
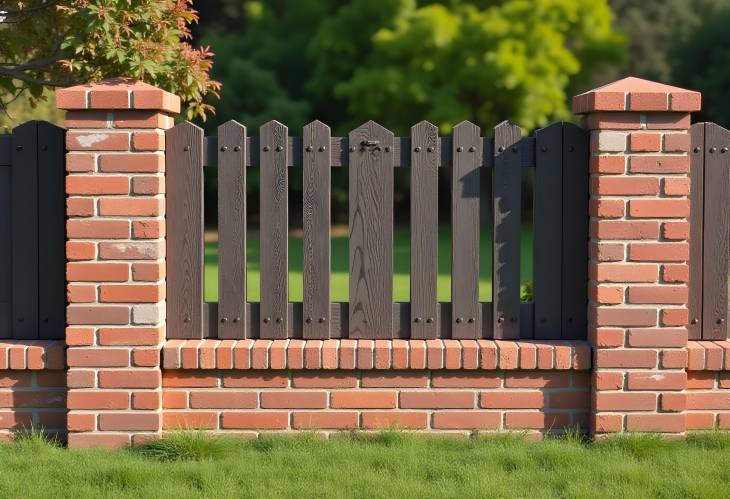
[
  {"x": 388, "y": 465},
  {"x": 339, "y": 276}
]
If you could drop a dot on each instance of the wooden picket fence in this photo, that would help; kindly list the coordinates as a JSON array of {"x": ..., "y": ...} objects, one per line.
[
  {"x": 710, "y": 232},
  {"x": 558, "y": 154},
  {"x": 32, "y": 232}
]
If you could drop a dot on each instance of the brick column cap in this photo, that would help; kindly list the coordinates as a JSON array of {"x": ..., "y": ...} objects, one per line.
[
  {"x": 636, "y": 94},
  {"x": 117, "y": 93}
]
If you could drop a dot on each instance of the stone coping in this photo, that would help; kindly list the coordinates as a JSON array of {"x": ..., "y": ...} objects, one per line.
[
  {"x": 32, "y": 354},
  {"x": 708, "y": 355},
  {"x": 376, "y": 354}
]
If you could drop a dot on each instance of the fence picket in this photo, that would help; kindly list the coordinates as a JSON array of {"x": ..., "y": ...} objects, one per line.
[
  {"x": 316, "y": 225},
  {"x": 465, "y": 200},
  {"x": 506, "y": 202},
  {"x": 424, "y": 320},
  {"x": 575, "y": 232},
  {"x": 716, "y": 233},
  {"x": 184, "y": 178},
  {"x": 6, "y": 268},
  {"x": 548, "y": 231},
  {"x": 371, "y": 231},
  {"x": 25, "y": 230},
  {"x": 274, "y": 229},
  {"x": 51, "y": 232},
  {"x": 231, "y": 231},
  {"x": 696, "y": 227}
]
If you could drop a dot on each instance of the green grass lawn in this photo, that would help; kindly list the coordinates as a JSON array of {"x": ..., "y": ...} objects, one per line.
[
  {"x": 339, "y": 276},
  {"x": 388, "y": 465}
]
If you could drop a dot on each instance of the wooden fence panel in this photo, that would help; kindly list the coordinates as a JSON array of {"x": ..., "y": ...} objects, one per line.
[
  {"x": 51, "y": 232},
  {"x": 25, "y": 230},
  {"x": 424, "y": 318},
  {"x": 316, "y": 224},
  {"x": 575, "y": 232},
  {"x": 231, "y": 231},
  {"x": 548, "y": 232},
  {"x": 697, "y": 192},
  {"x": 465, "y": 200},
  {"x": 274, "y": 230},
  {"x": 506, "y": 202},
  {"x": 6, "y": 268},
  {"x": 371, "y": 231},
  {"x": 184, "y": 177},
  {"x": 716, "y": 233}
]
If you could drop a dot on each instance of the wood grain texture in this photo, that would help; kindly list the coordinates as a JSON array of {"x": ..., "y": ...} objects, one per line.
[
  {"x": 231, "y": 231},
  {"x": 506, "y": 202},
  {"x": 548, "y": 232},
  {"x": 696, "y": 227},
  {"x": 575, "y": 232},
  {"x": 316, "y": 224},
  {"x": 51, "y": 232},
  {"x": 371, "y": 231},
  {"x": 465, "y": 199},
  {"x": 6, "y": 263},
  {"x": 25, "y": 230},
  {"x": 339, "y": 326},
  {"x": 274, "y": 229},
  {"x": 339, "y": 152},
  {"x": 424, "y": 230},
  {"x": 184, "y": 179},
  {"x": 716, "y": 232}
]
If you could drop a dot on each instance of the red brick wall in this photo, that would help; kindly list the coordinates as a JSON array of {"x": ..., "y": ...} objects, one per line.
[
  {"x": 32, "y": 400},
  {"x": 459, "y": 401}
]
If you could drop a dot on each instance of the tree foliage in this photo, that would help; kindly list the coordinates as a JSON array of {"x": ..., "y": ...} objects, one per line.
[
  {"x": 400, "y": 61},
  {"x": 702, "y": 62},
  {"x": 47, "y": 43}
]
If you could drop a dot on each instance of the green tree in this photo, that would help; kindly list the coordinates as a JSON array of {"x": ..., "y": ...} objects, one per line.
[
  {"x": 460, "y": 60},
  {"x": 50, "y": 43},
  {"x": 702, "y": 62},
  {"x": 652, "y": 28}
]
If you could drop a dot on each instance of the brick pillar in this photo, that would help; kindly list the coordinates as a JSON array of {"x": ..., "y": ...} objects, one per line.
[
  {"x": 116, "y": 259},
  {"x": 639, "y": 253}
]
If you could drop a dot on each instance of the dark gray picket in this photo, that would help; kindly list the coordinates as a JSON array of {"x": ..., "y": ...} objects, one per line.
[
  {"x": 696, "y": 227},
  {"x": 25, "y": 230},
  {"x": 716, "y": 232},
  {"x": 184, "y": 178},
  {"x": 506, "y": 203},
  {"x": 316, "y": 225},
  {"x": 465, "y": 200},
  {"x": 51, "y": 232},
  {"x": 274, "y": 229},
  {"x": 231, "y": 231},
  {"x": 424, "y": 231},
  {"x": 371, "y": 231}
]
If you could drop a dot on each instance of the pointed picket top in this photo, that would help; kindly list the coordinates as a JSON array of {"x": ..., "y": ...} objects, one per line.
[
  {"x": 316, "y": 137},
  {"x": 371, "y": 134},
  {"x": 373, "y": 128},
  {"x": 424, "y": 143},
  {"x": 636, "y": 94},
  {"x": 185, "y": 127}
]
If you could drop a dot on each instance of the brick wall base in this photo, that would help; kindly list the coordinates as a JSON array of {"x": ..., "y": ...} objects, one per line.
[{"x": 446, "y": 401}]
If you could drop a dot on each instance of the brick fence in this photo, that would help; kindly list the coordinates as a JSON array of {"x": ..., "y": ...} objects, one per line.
[{"x": 125, "y": 383}]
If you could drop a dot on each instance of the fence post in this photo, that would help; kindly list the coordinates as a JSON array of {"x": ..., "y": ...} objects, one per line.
[
  {"x": 115, "y": 267},
  {"x": 639, "y": 253}
]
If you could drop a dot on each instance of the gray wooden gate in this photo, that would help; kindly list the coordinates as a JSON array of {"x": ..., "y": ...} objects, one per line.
[
  {"x": 32, "y": 232},
  {"x": 558, "y": 154}
]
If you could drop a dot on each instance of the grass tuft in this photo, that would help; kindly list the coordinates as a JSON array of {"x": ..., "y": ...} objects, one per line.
[
  {"x": 713, "y": 440},
  {"x": 187, "y": 446}
]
